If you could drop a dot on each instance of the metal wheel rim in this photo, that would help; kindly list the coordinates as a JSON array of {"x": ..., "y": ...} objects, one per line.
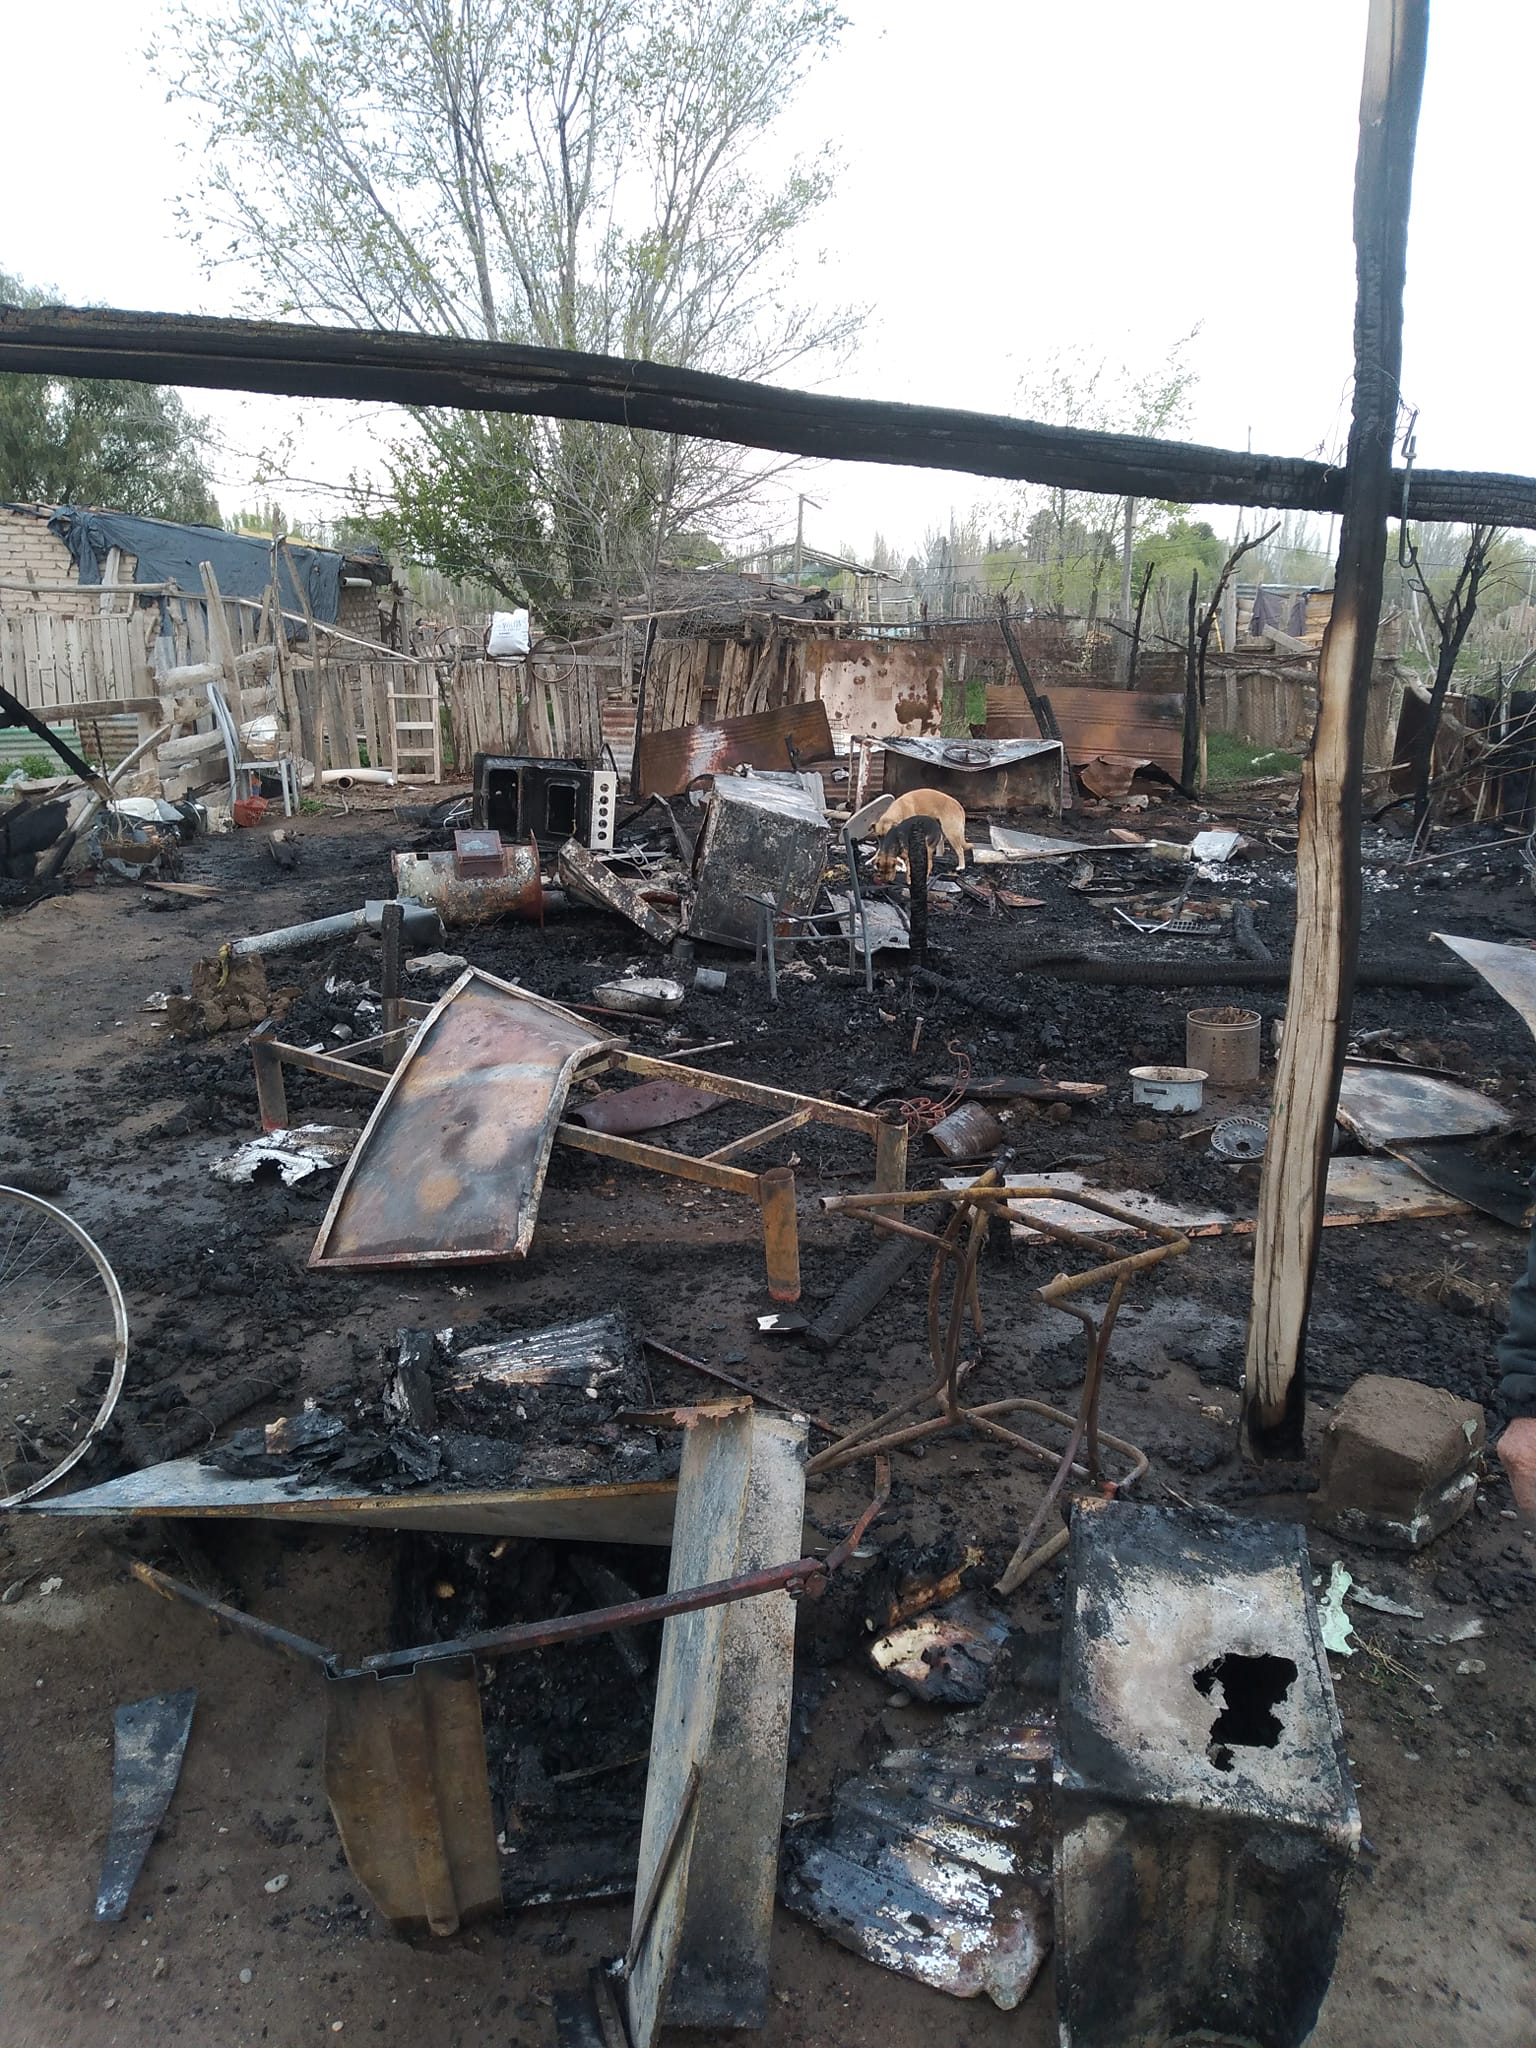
[{"x": 120, "y": 1342}]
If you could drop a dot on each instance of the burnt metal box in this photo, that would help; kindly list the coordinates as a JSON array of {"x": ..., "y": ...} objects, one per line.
[
  {"x": 981, "y": 775},
  {"x": 1206, "y": 1820},
  {"x": 551, "y": 801},
  {"x": 762, "y": 836}
]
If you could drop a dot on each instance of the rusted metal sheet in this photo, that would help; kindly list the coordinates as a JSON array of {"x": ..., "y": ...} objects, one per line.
[
  {"x": 1011, "y": 774},
  {"x": 405, "y": 1775},
  {"x": 451, "y": 1164},
  {"x": 880, "y": 687},
  {"x": 589, "y": 878},
  {"x": 1109, "y": 776},
  {"x": 1147, "y": 725},
  {"x": 650, "y": 1106},
  {"x": 557, "y": 1509},
  {"x": 669, "y": 761}
]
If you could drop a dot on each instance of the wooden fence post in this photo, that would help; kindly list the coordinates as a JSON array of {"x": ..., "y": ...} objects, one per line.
[{"x": 1294, "y": 1185}]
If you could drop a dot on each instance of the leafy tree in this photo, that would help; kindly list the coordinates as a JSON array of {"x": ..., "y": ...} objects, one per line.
[
  {"x": 1074, "y": 536},
  {"x": 573, "y": 174},
  {"x": 694, "y": 551},
  {"x": 94, "y": 441}
]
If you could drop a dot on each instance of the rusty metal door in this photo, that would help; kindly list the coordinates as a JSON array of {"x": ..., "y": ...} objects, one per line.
[{"x": 451, "y": 1165}]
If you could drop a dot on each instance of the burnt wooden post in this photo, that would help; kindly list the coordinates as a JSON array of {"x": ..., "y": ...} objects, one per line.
[
  {"x": 917, "y": 890},
  {"x": 1328, "y": 856},
  {"x": 1189, "y": 759},
  {"x": 391, "y": 951},
  {"x": 1040, "y": 705}
]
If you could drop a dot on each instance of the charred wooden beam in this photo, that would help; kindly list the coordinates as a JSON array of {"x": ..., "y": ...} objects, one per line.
[
  {"x": 1328, "y": 856},
  {"x": 299, "y": 361}
]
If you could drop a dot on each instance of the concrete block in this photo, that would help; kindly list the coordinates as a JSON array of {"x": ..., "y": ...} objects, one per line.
[
  {"x": 1399, "y": 1463},
  {"x": 1206, "y": 1821}
]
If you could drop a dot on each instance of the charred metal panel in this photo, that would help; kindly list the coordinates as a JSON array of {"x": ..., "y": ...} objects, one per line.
[
  {"x": 648, "y": 1106},
  {"x": 451, "y": 1165},
  {"x": 1207, "y": 1821},
  {"x": 983, "y": 775},
  {"x": 760, "y": 838},
  {"x": 1394, "y": 1106},
  {"x": 936, "y": 1864},
  {"x": 563, "y": 1509},
  {"x": 591, "y": 880},
  {"x": 405, "y": 1775},
  {"x": 669, "y": 761}
]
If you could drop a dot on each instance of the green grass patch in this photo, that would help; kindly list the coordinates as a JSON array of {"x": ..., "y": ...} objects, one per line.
[
  {"x": 1230, "y": 760},
  {"x": 965, "y": 705}
]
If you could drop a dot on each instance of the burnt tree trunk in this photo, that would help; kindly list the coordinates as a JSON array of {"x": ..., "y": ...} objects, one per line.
[
  {"x": 1328, "y": 856},
  {"x": 1141, "y": 605},
  {"x": 1189, "y": 766}
]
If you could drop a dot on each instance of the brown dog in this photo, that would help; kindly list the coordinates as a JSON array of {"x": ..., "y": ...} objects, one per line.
[{"x": 947, "y": 814}]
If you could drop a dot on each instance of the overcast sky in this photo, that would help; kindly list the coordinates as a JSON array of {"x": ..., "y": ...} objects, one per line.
[{"x": 1018, "y": 178}]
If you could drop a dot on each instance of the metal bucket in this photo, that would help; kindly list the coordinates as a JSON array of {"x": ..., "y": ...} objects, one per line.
[
  {"x": 1173, "y": 1090},
  {"x": 1225, "y": 1042}
]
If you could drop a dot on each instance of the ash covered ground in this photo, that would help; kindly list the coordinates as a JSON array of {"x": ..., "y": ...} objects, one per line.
[{"x": 1442, "y": 1924}]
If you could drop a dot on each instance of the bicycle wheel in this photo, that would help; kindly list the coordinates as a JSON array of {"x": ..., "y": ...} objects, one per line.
[{"x": 63, "y": 1337}]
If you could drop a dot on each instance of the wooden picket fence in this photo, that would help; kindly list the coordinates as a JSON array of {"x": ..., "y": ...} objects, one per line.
[{"x": 542, "y": 709}]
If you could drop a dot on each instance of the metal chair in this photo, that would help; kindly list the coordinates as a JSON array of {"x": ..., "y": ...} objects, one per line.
[
  {"x": 851, "y": 923},
  {"x": 284, "y": 767}
]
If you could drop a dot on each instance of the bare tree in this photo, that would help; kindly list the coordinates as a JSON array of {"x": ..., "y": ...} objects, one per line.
[
  {"x": 1196, "y": 650},
  {"x": 1078, "y": 533},
  {"x": 1452, "y": 618}
]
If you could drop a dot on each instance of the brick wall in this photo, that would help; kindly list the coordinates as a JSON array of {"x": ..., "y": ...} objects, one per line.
[
  {"x": 357, "y": 611},
  {"x": 29, "y": 550}
]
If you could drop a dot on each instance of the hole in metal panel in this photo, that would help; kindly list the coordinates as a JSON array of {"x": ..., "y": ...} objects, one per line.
[{"x": 1251, "y": 1689}]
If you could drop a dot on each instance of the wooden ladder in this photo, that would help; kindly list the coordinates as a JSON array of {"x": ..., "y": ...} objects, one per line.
[{"x": 418, "y": 733}]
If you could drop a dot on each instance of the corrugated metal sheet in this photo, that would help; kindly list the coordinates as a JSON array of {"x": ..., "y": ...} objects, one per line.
[{"x": 1147, "y": 725}]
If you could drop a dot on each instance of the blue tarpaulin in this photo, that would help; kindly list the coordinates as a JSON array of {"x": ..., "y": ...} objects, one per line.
[{"x": 167, "y": 552}]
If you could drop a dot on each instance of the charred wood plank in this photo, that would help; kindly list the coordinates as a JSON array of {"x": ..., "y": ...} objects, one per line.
[
  {"x": 1323, "y": 957},
  {"x": 300, "y": 361}
]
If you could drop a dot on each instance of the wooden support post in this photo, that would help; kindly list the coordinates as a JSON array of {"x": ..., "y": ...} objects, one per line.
[
  {"x": 1039, "y": 704},
  {"x": 1189, "y": 759},
  {"x": 221, "y": 646},
  {"x": 1328, "y": 856},
  {"x": 392, "y": 943},
  {"x": 314, "y": 737},
  {"x": 714, "y": 1794}
]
